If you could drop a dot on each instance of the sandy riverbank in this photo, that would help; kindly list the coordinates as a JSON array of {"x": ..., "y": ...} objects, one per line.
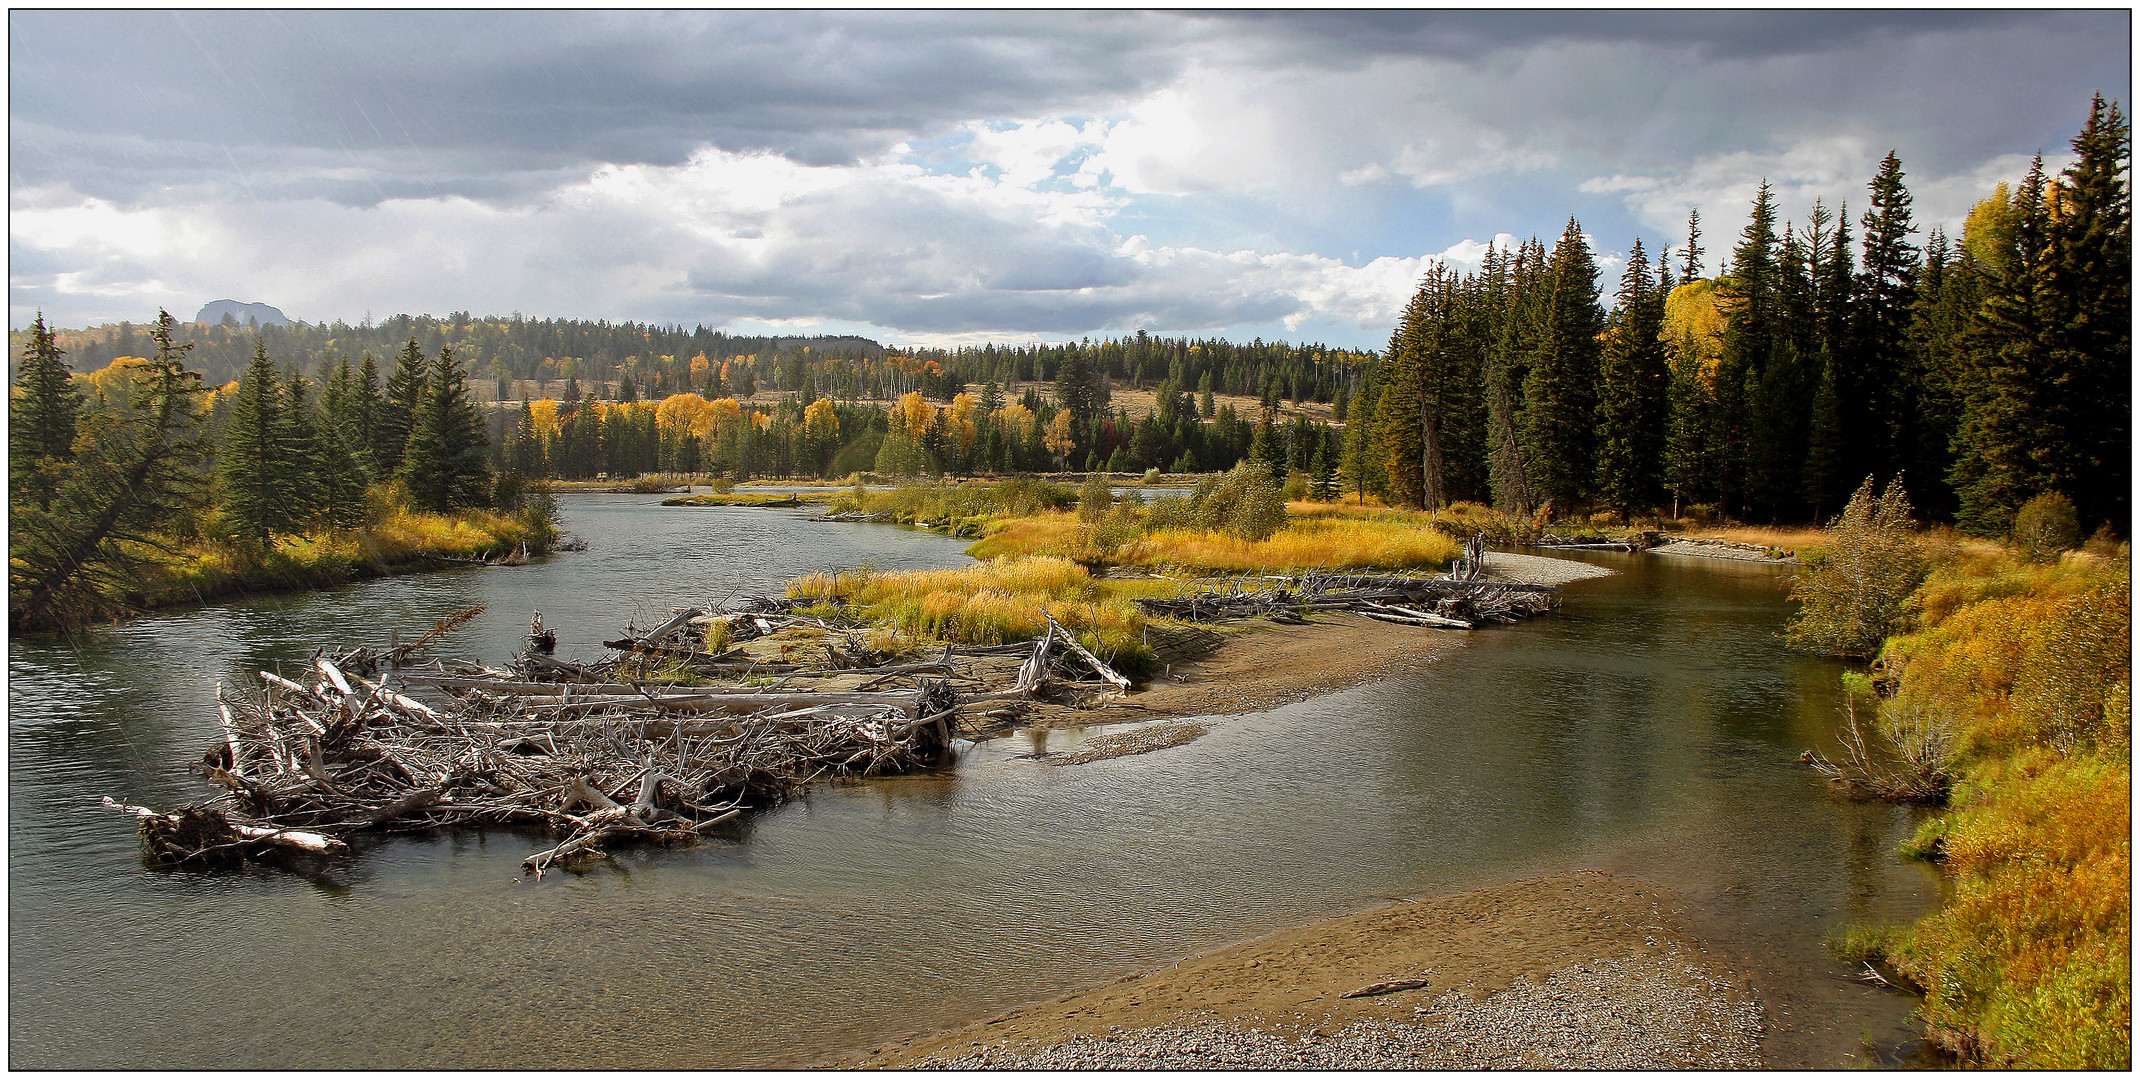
[
  {"x": 1573, "y": 970},
  {"x": 1253, "y": 664}
]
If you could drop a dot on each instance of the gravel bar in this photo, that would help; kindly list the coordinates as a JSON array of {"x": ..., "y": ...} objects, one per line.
[{"x": 1657, "y": 1012}]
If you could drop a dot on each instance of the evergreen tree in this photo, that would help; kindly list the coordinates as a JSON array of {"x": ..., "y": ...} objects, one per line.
[
  {"x": 2084, "y": 403},
  {"x": 304, "y": 448},
  {"x": 1882, "y": 401},
  {"x": 1560, "y": 391},
  {"x": 1993, "y": 473},
  {"x": 1633, "y": 387},
  {"x": 445, "y": 465},
  {"x": 44, "y": 414},
  {"x": 342, "y": 472},
  {"x": 1693, "y": 263},
  {"x": 136, "y": 474},
  {"x": 1823, "y": 478},
  {"x": 365, "y": 406},
  {"x": 257, "y": 497},
  {"x": 396, "y": 416},
  {"x": 1688, "y": 459}
]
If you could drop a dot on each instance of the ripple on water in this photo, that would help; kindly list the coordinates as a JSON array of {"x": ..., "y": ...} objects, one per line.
[{"x": 1645, "y": 724}]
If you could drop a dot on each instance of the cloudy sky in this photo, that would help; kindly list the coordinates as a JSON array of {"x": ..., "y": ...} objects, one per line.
[{"x": 953, "y": 176}]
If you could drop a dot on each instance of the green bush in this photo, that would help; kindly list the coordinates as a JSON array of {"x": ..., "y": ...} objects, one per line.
[
  {"x": 1860, "y": 592},
  {"x": 2047, "y": 527}
]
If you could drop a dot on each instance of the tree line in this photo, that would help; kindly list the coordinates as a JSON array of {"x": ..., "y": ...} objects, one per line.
[
  {"x": 1984, "y": 372},
  {"x": 113, "y": 470}
]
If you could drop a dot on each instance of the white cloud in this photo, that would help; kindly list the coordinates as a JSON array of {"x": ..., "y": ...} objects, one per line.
[
  {"x": 721, "y": 238},
  {"x": 1834, "y": 169}
]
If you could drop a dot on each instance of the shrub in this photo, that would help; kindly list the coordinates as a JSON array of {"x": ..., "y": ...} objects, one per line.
[
  {"x": 1093, "y": 499},
  {"x": 2047, "y": 526},
  {"x": 1860, "y": 592}
]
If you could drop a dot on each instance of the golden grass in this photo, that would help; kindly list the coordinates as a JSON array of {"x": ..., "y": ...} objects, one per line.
[
  {"x": 207, "y": 569},
  {"x": 989, "y": 603},
  {"x": 1331, "y": 541},
  {"x": 1788, "y": 539},
  {"x": 1328, "y": 543},
  {"x": 2029, "y": 962}
]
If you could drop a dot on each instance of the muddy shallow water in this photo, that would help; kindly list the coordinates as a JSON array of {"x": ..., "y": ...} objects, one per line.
[{"x": 1647, "y": 729}]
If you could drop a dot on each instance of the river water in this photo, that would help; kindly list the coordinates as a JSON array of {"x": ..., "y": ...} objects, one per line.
[{"x": 1648, "y": 729}]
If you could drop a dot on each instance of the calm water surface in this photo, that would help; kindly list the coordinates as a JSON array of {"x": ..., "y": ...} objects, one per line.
[{"x": 1648, "y": 729}]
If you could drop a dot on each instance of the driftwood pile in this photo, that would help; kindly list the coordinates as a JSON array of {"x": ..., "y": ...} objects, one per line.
[
  {"x": 591, "y": 751},
  {"x": 1461, "y": 600}
]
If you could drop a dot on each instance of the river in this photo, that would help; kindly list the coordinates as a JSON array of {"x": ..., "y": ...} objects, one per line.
[{"x": 1649, "y": 729}]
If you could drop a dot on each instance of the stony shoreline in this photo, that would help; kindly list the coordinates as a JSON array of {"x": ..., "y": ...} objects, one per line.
[
  {"x": 1574, "y": 970},
  {"x": 1581, "y": 969}
]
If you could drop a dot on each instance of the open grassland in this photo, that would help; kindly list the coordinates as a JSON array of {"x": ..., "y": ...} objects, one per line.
[{"x": 2027, "y": 668}]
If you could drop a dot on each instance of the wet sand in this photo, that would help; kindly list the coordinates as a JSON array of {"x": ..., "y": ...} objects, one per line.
[{"x": 1578, "y": 969}]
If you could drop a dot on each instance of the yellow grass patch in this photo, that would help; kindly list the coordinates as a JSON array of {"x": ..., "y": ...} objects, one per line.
[{"x": 989, "y": 603}]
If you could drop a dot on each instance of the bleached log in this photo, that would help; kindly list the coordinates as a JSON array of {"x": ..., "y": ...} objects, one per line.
[
  {"x": 301, "y": 839},
  {"x": 1097, "y": 665}
]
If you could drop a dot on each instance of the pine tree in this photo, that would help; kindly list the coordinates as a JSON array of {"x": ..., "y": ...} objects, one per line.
[
  {"x": 304, "y": 450},
  {"x": 1822, "y": 479},
  {"x": 257, "y": 499},
  {"x": 44, "y": 415},
  {"x": 1560, "y": 390},
  {"x": 1993, "y": 473},
  {"x": 396, "y": 415},
  {"x": 1633, "y": 387},
  {"x": 2084, "y": 403},
  {"x": 135, "y": 475},
  {"x": 1881, "y": 402},
  {"x": 445, "y": 465},
  {"x": 1693, "y": 262}
]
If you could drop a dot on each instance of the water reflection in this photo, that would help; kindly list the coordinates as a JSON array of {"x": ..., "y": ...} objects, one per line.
[{"x": 1648, "y": 729}]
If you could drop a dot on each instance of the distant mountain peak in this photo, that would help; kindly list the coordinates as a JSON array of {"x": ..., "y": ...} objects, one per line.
[{"x": 239, "y": 312}]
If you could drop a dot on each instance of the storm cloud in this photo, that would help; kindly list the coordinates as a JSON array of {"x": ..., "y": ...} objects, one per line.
[{"x": 957, "y": 175}]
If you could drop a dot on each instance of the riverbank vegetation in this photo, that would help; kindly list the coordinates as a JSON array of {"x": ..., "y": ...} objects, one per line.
[
  {"x": 136, "y": 486},
  {"x": 2001, "y": 690}
]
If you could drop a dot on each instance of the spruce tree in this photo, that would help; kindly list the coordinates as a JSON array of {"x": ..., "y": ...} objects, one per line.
[
  {"x": 365, "y": 406},
  {"x": 1558, "y": 429},
  {"x": 136, "y": 475},
  {"x": 1881, "y": 403},
  {"x": 1823, "y": 479},
  {"x": 2084, "y": 403},
  {"x": 445, "y": 466},
  {"x": 1411, "y": 463},
  {"x": 44, "y": 414},
  {"x": 1633, "y": 386},
  {"x": 1693, "y": 265},
  {"x": 396, "y": 416},
  {"x": 257, "y": 500},
  {"x": 304, "y": 451},
  {"x": 1993, "y": 472},
  {"x": 1689, "y": 465}
]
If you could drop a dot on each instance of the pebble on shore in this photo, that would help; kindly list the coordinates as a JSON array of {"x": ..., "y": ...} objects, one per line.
[{"x": 1657, "y": 1012}]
